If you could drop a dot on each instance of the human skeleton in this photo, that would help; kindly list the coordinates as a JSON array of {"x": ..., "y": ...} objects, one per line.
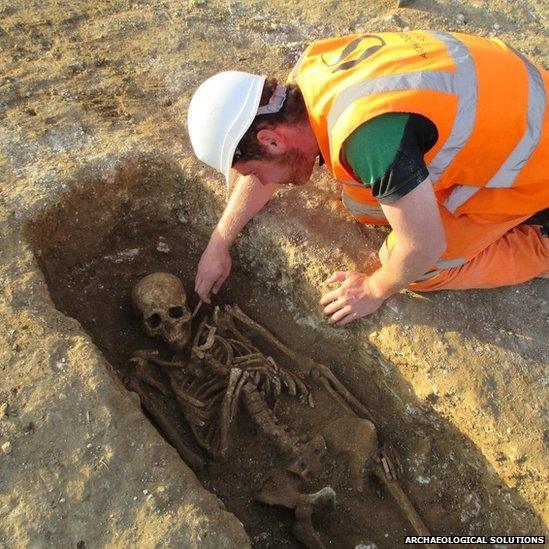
[{"x": 225, "y": 371}]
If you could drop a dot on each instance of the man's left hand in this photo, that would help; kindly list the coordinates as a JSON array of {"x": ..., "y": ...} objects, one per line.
[{"x": 352, "y": 300}]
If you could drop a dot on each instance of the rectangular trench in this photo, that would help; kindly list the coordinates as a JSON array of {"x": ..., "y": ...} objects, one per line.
[{"x": 97, "y": 242}]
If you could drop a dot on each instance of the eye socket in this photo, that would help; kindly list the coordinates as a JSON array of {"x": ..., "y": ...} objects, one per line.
[
  {"x": 153, "y": 321},
  {"x": 175, "y": 312}
]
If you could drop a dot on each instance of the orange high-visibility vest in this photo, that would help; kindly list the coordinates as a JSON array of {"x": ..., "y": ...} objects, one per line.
[{"x": 487, "y": 101}]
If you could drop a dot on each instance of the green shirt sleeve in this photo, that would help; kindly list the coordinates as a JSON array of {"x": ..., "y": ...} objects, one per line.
[
  {"x": 387, "y": 153},
  {"x": 371, "y": 148}
]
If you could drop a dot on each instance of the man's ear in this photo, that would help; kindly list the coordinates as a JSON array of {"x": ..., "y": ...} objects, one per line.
[{"x": 272, "y": 141}]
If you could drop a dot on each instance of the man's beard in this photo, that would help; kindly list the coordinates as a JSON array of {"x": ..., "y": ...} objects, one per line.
[{"x": 301, "y": 168}]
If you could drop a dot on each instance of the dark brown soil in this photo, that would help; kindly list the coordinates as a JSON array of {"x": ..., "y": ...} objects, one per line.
[{"x": 96, "y": 291}]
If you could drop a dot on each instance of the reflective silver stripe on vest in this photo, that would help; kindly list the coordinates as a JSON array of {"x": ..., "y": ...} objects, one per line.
[
  {"x": 442, "y": 264},
  {"x": 357, "y": 208},
  {"x": 294, "y": 72},
  {"x": 510, "y": 169},
  {"x": 459, "y": 195},
  {"x": 466, "y": 89},
  {"x": 426, "y": 276},
  {"x": 351, "y": 183},
  {"x": 450, "y": 263},
  {"x": 462, "y": 83}
]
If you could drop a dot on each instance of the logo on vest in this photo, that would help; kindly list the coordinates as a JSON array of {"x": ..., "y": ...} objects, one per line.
[
  {"x": 415, "y": 40},
  {"x": 355, "y": 52}
]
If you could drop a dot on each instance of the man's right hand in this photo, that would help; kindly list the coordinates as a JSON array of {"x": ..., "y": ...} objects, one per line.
[
  {"x": 247, "y": 198},
  {"x": 213, "y": 268}
]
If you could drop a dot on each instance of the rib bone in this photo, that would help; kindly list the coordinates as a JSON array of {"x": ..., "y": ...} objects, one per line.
[{"x": 307, "y": 365}]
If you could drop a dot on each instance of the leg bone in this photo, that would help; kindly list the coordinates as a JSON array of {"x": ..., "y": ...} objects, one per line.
[
  {"x": 323, "y": 373},
  {"x": 404, "y": 503}
]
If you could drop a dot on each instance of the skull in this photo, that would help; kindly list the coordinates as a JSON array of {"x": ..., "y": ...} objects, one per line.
[{"x": 160, "y": 300}]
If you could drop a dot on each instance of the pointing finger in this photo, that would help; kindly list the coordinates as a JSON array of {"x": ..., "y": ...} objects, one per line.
[
  {"x": 218, "y": 284},
  {"x": 203, "y": 292}
]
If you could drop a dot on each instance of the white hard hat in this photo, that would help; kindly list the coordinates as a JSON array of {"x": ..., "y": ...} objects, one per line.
[{"x": 220, "y": 112}]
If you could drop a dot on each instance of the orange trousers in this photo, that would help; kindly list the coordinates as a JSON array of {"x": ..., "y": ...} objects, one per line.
[{"x": 496, "y": 251}]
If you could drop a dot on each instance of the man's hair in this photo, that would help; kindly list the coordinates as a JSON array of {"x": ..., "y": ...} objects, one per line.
[{"x": 293, "y": 111}]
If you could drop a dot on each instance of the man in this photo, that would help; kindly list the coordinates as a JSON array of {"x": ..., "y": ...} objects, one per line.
[{"x": 443, "y": 136}]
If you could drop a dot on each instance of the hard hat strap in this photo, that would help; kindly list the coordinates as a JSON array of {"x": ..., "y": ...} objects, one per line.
[
  {"x": 275, "y": 102},
  {"x": 274, "y": 105}
]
